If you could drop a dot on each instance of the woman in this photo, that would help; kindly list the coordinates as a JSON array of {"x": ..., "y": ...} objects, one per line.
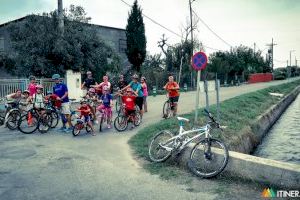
[{"x": 145, "y": 91}]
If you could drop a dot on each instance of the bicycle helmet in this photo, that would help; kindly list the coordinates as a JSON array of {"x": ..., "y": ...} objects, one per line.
[
  {"x": 83, "y": 101},
  {"x": 26, "y": 91},
  {"x": 105, "y": 88},
  {"x": 92, "y": 90},
  {"x": 55, "y": 76},
  {"x": 49, "y": 92},
  {"x": 31, "y": 77},
  {"x": 128, "y": 90},
  {"x": 135, "y": 76},
  {"x": 40, "y": 87}
]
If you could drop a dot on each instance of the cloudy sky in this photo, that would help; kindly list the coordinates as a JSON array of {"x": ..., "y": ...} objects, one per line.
[{"x": 235, "y": 21}]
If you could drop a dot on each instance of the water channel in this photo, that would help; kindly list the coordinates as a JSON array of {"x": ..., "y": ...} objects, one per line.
[{"x": 282, "y": 142}]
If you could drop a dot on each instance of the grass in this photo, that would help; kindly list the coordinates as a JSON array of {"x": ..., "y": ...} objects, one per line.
[{"x": 237, "y": 114}]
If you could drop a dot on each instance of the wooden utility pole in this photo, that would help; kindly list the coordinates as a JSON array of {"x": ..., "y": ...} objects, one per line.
[{"x": 60, "y": 14}]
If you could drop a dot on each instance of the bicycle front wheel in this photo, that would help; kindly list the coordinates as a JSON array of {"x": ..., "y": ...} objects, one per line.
[
  {"x": 161, "y": 146},
  {"x": 166, "y": 110},
  {"x": 55, "y": 119},
  {"x": 12, "y": 119},
  {"x": 45, "y": 122},
  {"x": 208, "y": 158},
  {"x": 121, "y": 123},
  {"x": 28, "y": 123}
]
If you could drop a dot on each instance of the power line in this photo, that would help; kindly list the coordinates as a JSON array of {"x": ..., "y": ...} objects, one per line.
[
  {"x": 212, "y": 30},
  {"x": 155, "y": 22},
  {"x": 164, "y": 27}
]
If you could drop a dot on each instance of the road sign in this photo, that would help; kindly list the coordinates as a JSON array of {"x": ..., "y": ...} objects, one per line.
[{"x": 199, "y": 61}]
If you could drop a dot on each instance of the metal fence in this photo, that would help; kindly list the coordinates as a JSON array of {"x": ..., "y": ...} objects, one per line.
[{"x": 8, "y": 86}]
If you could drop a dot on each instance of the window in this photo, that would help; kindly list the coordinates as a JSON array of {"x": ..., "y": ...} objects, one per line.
[
  {"x": 122, "y": 45},
  {"x": 1, "y": 44}
]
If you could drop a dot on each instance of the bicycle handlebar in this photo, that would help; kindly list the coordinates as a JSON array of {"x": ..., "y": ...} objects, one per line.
[{"x": 213, "y": 120}]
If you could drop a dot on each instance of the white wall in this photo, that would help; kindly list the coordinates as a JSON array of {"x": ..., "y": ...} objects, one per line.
[{"x": 73, "y": 81}]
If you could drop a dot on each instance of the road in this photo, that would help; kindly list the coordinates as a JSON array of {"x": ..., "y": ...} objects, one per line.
[{"x": 58, "y": 166}]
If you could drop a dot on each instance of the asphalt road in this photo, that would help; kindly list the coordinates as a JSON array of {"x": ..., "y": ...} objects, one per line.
[{"x": 56, "y": 165}]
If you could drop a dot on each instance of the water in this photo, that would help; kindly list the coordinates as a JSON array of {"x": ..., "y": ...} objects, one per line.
[{"x": 283, "y": 140}]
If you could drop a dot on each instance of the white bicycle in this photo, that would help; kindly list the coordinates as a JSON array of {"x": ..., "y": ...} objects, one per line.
[{"x": 208, "y": 157}]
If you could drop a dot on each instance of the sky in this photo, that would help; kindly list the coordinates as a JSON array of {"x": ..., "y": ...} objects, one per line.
[{"x": 236, "y": 21}]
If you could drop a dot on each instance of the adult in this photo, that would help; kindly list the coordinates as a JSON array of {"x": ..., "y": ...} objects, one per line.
[
  {"x": 89, "y": 81},
  {"x": 173, "y": 89},
  {"x": 122, "y": 83},
  {"x": 105, "y": 83},
  {"x": 14, "y": 98},
  {"x": 136, "y": 86},
  {"x": 145, "y": 91},
  {"x": 61, "y": 90},
  {"x": 32, "y": 87}
]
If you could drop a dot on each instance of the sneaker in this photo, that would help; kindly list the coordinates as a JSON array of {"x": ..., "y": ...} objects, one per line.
[
  {"x": 68, "y": 129},
  {"x": 96, "y": 122},
  {"x": 62, "y": 129},
  {"x": 93, "y": 133},
  {"x": 109, "y": 126}
]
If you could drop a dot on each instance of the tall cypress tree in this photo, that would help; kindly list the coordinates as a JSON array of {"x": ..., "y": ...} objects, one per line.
[{"x": 136, "y": 38}]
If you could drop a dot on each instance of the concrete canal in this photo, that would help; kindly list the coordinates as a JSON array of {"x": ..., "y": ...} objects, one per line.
[{"x": 282, "y": 141}]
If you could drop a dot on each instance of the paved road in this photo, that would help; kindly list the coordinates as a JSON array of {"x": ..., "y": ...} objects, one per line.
[{"x": 58, "y": 166}]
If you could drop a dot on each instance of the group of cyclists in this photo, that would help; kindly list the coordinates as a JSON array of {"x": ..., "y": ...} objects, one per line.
[{"x": 132, "y": 97}]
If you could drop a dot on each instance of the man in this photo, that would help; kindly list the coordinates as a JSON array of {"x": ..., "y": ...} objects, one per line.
[
  {"x": 173, "y": 89},
  {"x": 122, "y": 83},
  {"x": 61, "y": 90},
  {"x": 89, "y": 81}
]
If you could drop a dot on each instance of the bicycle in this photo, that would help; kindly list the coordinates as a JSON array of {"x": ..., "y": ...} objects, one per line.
[
  {"x": 80, "y": 124},
  {"x": 204, "y": 155},
  {"x": 168, "y": 108},
  {"x": 105, "y": 116},
  {"x": 35, "y": 119},
  {"x": 12, "y": 114},
  {"x": 123, "y": 118}
]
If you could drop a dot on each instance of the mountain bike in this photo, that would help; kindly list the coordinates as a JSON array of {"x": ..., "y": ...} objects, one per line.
[
  {"x": 35, "y": 119},
  {"x": 208, "y": 157}
]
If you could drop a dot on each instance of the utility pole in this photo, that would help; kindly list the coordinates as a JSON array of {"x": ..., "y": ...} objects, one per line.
[
  {"x": 291, "y": 57},
  {"x": 199, "y": 71},
  {"x": 271, "y": 52},
  {"x": 60, "y": 14}
]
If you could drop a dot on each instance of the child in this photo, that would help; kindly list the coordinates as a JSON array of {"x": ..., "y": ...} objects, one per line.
[
  {"x": 85, "y": 114},
  {"x": 128, "y": 99},
  {"x": 32, "y": 87},
  {"x": 107, "y": 103},
  {"x": 38, "y": 98},
  {"x": 92, "y": 98}
]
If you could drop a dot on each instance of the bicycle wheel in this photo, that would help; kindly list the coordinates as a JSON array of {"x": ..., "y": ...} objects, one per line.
[
  {"x": 55, "y": 119},
  {"x": 166, "y": 110},
  {"x": 137, "y": 119},
  {"x": 28, "y": 124},
  {"x": 208, "y": 158},
  {"x": 160, "y": 148},
  {"x": 12, "y": 119},
  {"x": 76, "y": 129},
  {"x": 118, "y": 105},
  {"x": 121, "y": 123},
  {"x": 45, "y": 122},
  {"x": 101, "y": 123},
  {"x": 88, "y": 129}
]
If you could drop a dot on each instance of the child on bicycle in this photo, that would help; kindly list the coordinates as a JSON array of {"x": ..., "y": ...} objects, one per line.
[
  {"x": 85, "y": 115},
  {"x": 128, "y": 100},
  {"x": 106, "y": 103},
  {"x": 92, "y": 100},
  {"x": 38, "y": 99}
]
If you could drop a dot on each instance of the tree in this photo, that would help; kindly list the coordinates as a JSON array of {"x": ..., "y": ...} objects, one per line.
[
  {"x": 136, "y": 38},
  {"x": 41, "y": 51}
]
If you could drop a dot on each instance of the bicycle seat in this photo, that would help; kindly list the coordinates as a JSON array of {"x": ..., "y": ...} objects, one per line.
[{"x": 183, "y": 119}]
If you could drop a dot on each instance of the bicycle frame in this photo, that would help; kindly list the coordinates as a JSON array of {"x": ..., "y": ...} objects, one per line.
[{"x": 204, "y": 130}]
